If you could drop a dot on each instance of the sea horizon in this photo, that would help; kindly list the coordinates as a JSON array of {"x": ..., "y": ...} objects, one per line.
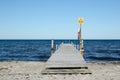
[{"x": 59, "y": 39}]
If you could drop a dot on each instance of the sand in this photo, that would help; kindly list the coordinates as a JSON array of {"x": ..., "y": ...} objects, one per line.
[{"x": 29, "y": 70}]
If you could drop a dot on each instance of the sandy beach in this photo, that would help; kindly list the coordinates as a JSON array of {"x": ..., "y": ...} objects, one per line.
[{"x": 29, "y": 70}]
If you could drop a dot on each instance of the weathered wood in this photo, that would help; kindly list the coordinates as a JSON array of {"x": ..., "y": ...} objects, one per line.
[
  {"x": 66, "y": 71},
  {"x": 67, "y": 59}
]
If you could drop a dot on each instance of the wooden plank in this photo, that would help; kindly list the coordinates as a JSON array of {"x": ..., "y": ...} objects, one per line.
[{"x": 66, "y": 71}]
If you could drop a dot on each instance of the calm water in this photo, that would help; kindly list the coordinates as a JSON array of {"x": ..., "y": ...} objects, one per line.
[{"x": 39, "y": 50}]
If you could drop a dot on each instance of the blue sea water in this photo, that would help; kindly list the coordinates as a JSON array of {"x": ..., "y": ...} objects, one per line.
[{"x": 40, "y": 50}]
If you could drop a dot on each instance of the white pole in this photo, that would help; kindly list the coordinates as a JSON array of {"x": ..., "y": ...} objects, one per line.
[
  {"x": 52, "y": 46},
  {"x": 52, "y": 43}
]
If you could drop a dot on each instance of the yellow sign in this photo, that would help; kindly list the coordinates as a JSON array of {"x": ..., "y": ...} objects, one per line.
[{"x": 80, "y": 20}]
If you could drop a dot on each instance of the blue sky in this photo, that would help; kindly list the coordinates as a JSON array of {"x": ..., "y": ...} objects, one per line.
[{"x": 57, "y": 19}]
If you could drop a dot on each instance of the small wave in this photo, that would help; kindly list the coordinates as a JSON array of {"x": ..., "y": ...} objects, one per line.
[
  {"x": 105, "y": 58},
  {"x": 108, "y": 51},
  {"x": 42, "y": 56}
]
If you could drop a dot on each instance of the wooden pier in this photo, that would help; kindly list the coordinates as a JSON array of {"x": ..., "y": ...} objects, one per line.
[{"x": 66, "y": 60}]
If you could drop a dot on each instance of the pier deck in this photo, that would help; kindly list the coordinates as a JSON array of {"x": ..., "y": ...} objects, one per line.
[{"x": 67, "y": 59}]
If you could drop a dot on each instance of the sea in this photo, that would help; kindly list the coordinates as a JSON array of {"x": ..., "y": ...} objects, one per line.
[{"x": 40, "y": 50}]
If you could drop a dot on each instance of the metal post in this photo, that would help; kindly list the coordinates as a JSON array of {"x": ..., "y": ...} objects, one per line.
[
  {"x": 81, "y": 47},
  {"x": 81, "y": 42},
  {"x": 56, "y": 47},
  {"x": 52, "y": 46},
  {"x": 80, "y": 37}
]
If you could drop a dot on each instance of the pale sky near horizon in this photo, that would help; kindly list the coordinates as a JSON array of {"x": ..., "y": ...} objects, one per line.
[{"x": 57, "y": 19}]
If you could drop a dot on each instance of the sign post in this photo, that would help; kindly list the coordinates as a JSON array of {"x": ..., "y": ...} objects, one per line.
[{"x": 80, "y": 22}]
